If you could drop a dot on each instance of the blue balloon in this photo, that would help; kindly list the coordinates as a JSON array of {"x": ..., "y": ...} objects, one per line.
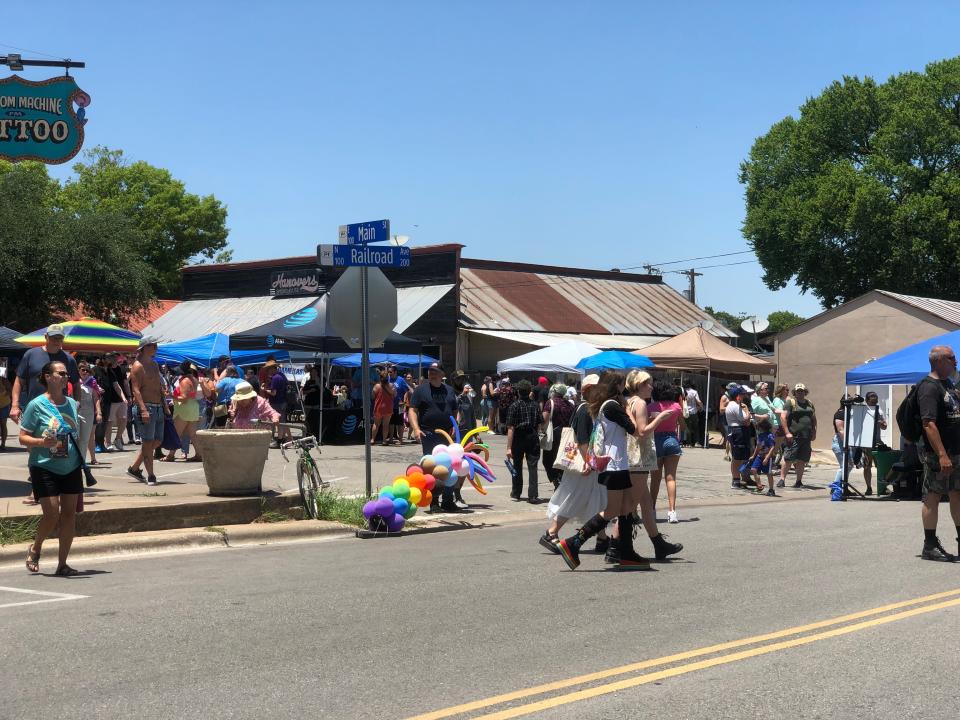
[
  {"x": 386, "y": 493},
  {"x": 400, "y": 506},
  {"x": 450, "y": 480}
]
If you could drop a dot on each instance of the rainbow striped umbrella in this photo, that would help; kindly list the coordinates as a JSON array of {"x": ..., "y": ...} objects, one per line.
[{"x": 88, "y": 335}]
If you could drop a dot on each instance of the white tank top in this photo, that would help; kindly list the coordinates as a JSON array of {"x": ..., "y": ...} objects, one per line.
[{"x": 614, "y": 441}]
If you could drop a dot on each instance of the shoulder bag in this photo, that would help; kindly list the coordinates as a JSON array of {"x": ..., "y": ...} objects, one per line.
[
  {"x": 568, "y": 454},
  {"x": 546, "y": 437}
]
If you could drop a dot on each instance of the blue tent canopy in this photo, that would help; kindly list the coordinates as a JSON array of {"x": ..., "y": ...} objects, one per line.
[
  {"x": 406, "y": 361},
  {"x": 903, "y": 367},
  {"x": 614, "y": 360},
  {"x": 205, "y": 350}
]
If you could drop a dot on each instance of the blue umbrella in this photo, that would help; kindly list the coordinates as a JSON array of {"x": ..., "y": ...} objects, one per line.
[{"x": 614, "y": 360}]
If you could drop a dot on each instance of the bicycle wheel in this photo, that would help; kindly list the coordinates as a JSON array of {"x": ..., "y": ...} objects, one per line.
[{"x": 309, "y": 481}]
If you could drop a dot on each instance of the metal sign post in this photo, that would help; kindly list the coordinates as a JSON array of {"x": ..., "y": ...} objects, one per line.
[{"x": 365, "y": 374}]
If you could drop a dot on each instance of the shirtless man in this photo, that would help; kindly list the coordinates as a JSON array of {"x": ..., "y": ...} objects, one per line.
[{"x": 148, "y": 396}]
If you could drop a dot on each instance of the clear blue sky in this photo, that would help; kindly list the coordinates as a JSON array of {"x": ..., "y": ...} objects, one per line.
[{"x": 591, "y": 134}]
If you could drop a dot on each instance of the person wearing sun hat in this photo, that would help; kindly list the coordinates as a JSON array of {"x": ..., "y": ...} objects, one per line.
[{"x": 247, "y": 409}]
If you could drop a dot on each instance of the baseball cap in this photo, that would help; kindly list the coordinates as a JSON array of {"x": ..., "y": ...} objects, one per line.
[
  {"x": 542, "y": 380},
  {"x": 55, "y": 330},
  {"x": 146, "y": 340},
  {"x": 589, "y": 380},
  {"x": 732, "y": 386},
  {"x": 799, "y": 386},
  {"x": 746, "y": 389}
]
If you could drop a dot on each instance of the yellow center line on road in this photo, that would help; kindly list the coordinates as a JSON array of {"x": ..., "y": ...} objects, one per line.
[
  {"x": 712, "y": 662},
  {"x": 676, "y": 657}
]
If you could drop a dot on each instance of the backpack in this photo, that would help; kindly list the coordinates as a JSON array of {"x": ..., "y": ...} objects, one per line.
[{"x": 908, "y": 415}]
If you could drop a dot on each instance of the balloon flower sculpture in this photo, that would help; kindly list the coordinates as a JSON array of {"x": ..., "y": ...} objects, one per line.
[{"x": 398, "y": 502}]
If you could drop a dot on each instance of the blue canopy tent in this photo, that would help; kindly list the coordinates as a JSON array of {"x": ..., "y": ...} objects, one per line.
[
  {"x": 204, "y": 351},
  {"x": 405, "y": 361},
  {"x": 903, "y": 367},
  {"x": 614, "y": 360}
]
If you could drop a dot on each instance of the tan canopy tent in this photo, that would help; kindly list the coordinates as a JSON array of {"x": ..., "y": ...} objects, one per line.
[{"x": 696, "y": 349}]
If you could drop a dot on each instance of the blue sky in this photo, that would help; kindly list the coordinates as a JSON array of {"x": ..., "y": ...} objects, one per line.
[{"x": 597, "y": 135}]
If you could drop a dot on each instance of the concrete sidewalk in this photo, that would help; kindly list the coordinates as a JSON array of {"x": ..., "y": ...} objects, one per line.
[{"x": 181, "y": 500}]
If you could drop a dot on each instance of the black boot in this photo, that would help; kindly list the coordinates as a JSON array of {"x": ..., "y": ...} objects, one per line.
[
  {"x": 629, "y": 559},
  {"x": 570, "y": 547},
  {"x": 664, "y": 549}
]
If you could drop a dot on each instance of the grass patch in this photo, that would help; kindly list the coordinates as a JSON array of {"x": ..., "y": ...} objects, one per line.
[
  {"x": 13, "y": 531},
  {"x": 215, "y": 529},
  {"x": 271, "y": 516},
  {"x": 154, "y": 494},
  {"x": 334, "y": 505}
]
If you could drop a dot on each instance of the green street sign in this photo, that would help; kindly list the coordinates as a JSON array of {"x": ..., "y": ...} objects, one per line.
[{"x": 38, "y": 120}]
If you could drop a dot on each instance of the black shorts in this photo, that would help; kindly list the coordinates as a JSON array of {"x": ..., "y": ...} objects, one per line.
[
  {"x": 739, "y": 444},
  {"x": 396, "y": 419},
  {"x": 615, "y": 480},
  {"x": 48, "y": 484}
]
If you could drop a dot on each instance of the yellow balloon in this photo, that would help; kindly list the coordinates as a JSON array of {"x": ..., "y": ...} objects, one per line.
[
  {"x": 415, "y": 496},
  {"x": 475, "y": 431}
]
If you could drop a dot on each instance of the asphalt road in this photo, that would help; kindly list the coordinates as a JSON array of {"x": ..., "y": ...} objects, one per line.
[{"x": 404, "y": 627}]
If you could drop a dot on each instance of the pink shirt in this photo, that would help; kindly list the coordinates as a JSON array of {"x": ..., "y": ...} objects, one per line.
[
  {"x": 667, "y": 426},
  {"x": 259, "y": 409}
]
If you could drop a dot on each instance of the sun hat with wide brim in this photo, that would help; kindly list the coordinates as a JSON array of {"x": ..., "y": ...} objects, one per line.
[{"x": 244, "y": 391}]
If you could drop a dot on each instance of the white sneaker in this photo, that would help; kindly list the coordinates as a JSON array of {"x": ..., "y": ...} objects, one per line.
[
  {"x": 109, "y": 449},
  {"x": 672, "y": 517}
]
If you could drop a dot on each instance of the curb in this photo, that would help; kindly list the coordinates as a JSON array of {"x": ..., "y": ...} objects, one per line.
[{"x": 182, "y": 539}]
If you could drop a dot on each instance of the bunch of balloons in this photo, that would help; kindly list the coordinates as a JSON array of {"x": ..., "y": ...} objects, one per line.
[
  {"x": 461, "y": 458},
  {"x": 398, "y": 502}
]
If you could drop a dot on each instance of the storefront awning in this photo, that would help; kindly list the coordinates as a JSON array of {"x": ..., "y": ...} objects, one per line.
[
  {"x": 193, "y": 318},
  {"x": 545, "y": 339}
]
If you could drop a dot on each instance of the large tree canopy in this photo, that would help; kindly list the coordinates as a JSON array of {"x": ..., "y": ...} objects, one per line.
[
  {"x": 863, "y": 190},
  {"x": 55, "y": 262},
  {"x": 174, "y": 226}
]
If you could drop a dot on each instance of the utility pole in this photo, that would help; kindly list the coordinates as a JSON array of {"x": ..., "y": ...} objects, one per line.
[{"x": 692, "y": 276}]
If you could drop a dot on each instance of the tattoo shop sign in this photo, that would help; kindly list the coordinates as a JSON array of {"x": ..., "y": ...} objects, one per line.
[
  {"x": 302, "y": 282},
  {"x": 38, "y": 120}
]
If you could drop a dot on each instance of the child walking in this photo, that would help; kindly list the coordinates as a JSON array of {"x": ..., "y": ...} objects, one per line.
[{"x": 763, "y": 456}]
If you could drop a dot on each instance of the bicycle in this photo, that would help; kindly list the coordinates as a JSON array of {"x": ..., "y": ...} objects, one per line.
[{"x": 308, "y": 474}]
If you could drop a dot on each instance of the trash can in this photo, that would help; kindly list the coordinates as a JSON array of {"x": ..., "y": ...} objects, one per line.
[{"x": 884, "y": 460}]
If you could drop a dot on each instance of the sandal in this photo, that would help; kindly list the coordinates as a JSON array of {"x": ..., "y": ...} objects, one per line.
[
  {"x": 66, "y": 571},
  {"x": 33, "y": 559}
]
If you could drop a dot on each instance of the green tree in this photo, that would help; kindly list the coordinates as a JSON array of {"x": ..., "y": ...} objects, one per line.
[
  {"x": 174, "y": 226},
  {"x": 781, "y": 320},
  {"x": 55, "y": 261},
  {"x": 728, "y": 320},
  {"x": 863, "y": 190}
]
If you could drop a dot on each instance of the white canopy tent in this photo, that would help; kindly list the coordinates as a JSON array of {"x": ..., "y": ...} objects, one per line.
[{"x": 556, "y": 358}]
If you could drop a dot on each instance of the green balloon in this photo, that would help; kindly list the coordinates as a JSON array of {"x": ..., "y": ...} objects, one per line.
[
  {"x": 411, "y": 511},
  {"x": 401, "y": 491}
]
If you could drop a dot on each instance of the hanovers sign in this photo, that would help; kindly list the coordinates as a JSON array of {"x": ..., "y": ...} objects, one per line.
[
  {"x": 302, "y": 282},
  {"x": 38, "y": 120}
]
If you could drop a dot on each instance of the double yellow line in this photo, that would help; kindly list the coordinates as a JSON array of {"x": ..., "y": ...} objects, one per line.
[{"x": 887, "y": 613}]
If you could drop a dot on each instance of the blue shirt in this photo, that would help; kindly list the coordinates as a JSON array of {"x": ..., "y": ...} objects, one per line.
[
  {"x": 226, "y": 388},
  {"x": 38, "y": 417},
  {"x": 402, "y": 389}
]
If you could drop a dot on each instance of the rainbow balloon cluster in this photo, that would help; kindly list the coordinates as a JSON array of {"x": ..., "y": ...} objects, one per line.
[{"x": 398, "y": 502}]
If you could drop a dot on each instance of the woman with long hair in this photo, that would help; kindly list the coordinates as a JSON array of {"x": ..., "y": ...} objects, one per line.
[
  {"x": 579, "y": 495},
  {"x": 186, "y": 411},
  {"x": 667, "y": 441},
  {"x": 48, "y": 429},
  {"x": 609, "y": 448},
  {"x": 556, "y": 410},
  {"x": 643, "y": 460}
]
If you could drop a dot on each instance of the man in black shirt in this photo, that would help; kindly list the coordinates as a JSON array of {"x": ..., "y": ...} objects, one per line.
[
  {"x": 939, "y": 405},
  {"x": 432, "y": 406},
  {"x": 524, "y": 419}
]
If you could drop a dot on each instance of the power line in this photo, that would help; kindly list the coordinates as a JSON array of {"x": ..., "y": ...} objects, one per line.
[
  {"x": 27, "y": 50},
  {"x": 707, "y": 267},
  {"x": 674, "y": 262}
]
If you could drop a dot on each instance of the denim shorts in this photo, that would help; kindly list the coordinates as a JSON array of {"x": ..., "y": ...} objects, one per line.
[
  {"x": 667, "y": 444},
  {"x": 150, "y": 430}
]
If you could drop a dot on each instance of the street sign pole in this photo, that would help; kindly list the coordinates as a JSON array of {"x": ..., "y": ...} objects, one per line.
[{"x": 365, "y": 374}]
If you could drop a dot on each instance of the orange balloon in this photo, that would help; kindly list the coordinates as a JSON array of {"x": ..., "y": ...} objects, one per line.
[
  {"x": 425, "y": 499},
  {"x": 417, "y": 481}
]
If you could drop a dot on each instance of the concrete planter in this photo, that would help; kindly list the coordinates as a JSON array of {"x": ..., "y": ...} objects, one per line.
[{"x": 233, "y": 460}]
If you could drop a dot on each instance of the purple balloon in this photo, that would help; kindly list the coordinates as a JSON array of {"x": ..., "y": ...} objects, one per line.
[
  {"x": 384, "y": 506},
  {"x": 395, "y": 524},
  {"x": 369, "y": 509}
]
